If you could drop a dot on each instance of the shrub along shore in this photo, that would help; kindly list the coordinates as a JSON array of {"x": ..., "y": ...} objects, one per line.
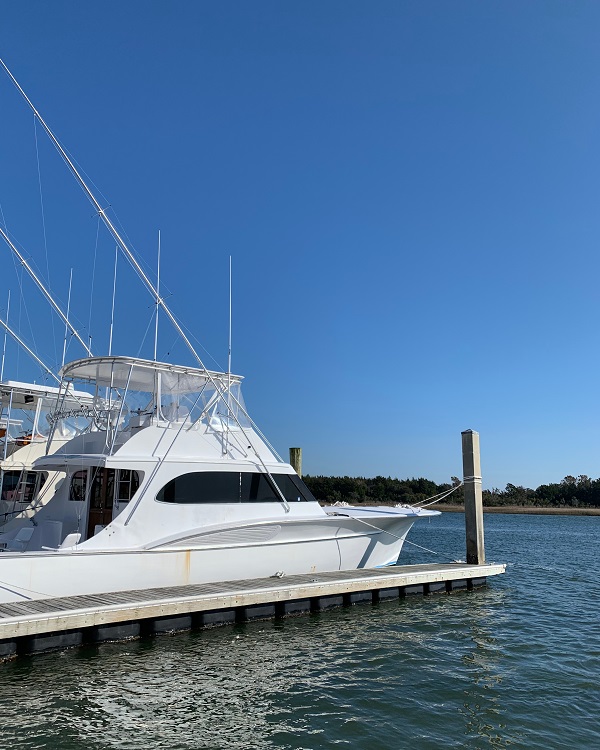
[{"x": 571, "y": 496}]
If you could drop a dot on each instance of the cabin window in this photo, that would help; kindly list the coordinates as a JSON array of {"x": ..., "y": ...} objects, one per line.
[
  {"x": 22, "y": 486},
  {"x": 232, "y": 487},
  {"x": 31, "y": 483},
  {"x": 127, "y": 486},
  {"x": 78, "y": 486},
  {"x": 294, "y": 488},
  {"x": 103, "y": 486},
  {"x": 10, "y": 482}
]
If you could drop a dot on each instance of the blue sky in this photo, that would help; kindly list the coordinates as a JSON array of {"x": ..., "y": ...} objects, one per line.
[{"x": 408, "y": 190}]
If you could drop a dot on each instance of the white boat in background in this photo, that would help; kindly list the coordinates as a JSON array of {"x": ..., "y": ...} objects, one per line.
[
  {"x": 174, "y": 485},
  {"x": 25, "y": 425},
  {"x": 26, "y": 422}
]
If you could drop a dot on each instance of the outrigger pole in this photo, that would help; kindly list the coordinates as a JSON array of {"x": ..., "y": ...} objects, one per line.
[
  {"x": 44, "y": 291},
  {"x": 5, "y": 333},
  {"x": 109, "y": 225},
  {"x": 124, "y": 247},
  {"x": 20, "y": 341}
]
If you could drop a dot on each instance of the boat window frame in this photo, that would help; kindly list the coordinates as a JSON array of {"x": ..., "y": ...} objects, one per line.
[
  {"x": 85, "y": 473},
  {"x": 30, "y": 484},
  {"x": 249, "y": 482},
  {"x": 119, "y": 481}
]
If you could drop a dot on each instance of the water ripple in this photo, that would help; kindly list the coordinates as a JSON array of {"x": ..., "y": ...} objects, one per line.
[{"x": 515, "y": 665}]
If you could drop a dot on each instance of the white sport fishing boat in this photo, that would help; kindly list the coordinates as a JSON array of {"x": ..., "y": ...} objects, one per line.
[
  {"x": 25, "y": 424},
  {"x": 172, "y": 485}
]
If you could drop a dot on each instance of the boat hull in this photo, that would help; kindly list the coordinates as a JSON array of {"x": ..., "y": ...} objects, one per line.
[{"x": 329, "y": 544}]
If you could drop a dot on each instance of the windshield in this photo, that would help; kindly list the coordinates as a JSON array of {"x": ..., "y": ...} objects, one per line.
[{"x": 146, "y": 394}]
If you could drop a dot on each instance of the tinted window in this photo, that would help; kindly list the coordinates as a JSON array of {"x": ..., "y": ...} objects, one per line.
[
  {"x": 10, "y": 481},
  {"x": 78, "y": 486},
  {"x": 31, "y": 483},
  {"x": 293, "y": 488},
  {"x": 256, "y": 488},
  {"x": 232, "y": 487}
]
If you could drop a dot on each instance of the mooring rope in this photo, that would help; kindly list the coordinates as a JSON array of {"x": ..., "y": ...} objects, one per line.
[
  {"x": 402, "y": 539},
  {"x": 441, "y": 496},
  {"x": 433, "y": 552},
  {"x": 12, "y": 589}
]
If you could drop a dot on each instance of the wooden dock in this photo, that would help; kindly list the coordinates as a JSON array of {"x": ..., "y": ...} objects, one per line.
[{"x": 47, "y": 624}]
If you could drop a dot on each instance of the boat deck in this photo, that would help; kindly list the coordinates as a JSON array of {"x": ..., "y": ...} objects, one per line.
[{"x": 43, "y": 624}]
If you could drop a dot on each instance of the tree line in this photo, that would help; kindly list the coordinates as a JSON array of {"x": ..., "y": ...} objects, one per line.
[{"x": 570, "y": 492}]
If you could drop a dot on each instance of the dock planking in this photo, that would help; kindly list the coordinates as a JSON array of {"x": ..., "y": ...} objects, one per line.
[{"x": 62, "y": 622}]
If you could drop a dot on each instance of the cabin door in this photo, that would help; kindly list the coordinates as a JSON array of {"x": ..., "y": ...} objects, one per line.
[{"x": 102, "y": 493}]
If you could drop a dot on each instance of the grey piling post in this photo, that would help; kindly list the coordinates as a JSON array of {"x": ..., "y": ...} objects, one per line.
[
  {"x": 473, "y": 497},
  {"x": 296, "y": 460}
]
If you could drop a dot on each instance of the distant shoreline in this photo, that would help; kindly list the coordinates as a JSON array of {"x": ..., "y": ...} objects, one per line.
[
  {"x": 518, "y": 509},
  {"x": 528, "y": 510}
]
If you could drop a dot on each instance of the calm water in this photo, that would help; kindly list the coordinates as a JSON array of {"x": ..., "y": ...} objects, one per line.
[{"x": 514, "y": 665}]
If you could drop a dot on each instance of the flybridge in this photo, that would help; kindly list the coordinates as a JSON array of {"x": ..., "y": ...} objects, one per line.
[{"x": 132, "y": 393}]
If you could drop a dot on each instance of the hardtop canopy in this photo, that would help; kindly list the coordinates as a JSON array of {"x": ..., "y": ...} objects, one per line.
[
  {"x": 27, "y": 395},
  {"x": 141, "y": 374}
]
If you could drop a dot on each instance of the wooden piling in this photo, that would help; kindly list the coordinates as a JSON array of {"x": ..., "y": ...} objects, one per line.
[
  {"x": 296, "y": 460},
  {"x": 473, "y": 498}
]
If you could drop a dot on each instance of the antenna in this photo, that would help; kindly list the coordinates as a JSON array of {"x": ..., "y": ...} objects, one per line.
[
  {"x": 157, "y": 300},
  {"x": 229, "y": 414},
  {"x": 66, "y": 325},
  {"x": 112, "y": 311},
  {"x": 5, "y": 336},
  {"x": 229, "y": 352}
]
